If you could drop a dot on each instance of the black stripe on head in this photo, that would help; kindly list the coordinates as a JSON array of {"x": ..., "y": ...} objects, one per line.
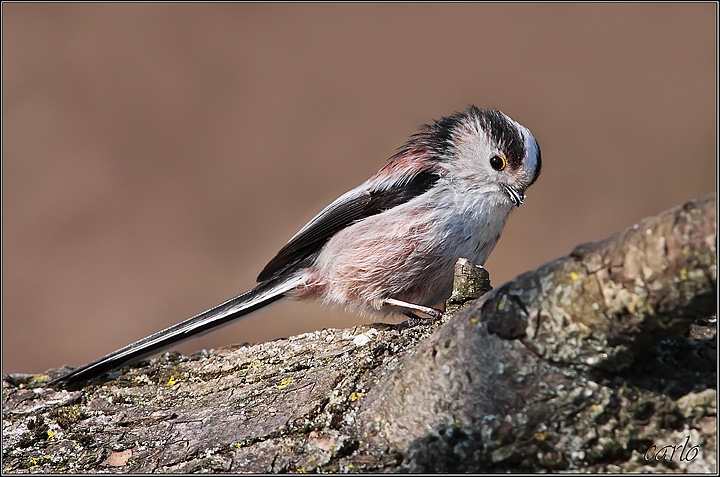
[
  {"x": 438, "y": 139},
  {"x": 434, "y": 139},
  {"x": 502, "y": 132}
]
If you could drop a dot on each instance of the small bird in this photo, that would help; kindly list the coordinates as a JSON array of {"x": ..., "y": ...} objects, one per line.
[{"x": 389, "y": 245}]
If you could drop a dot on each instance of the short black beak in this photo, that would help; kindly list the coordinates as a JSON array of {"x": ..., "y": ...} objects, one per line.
[{"x": 516, "y": 196}]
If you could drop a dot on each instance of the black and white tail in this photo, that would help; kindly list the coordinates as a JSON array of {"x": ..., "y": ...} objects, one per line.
[{"x": 242, "y": 305}]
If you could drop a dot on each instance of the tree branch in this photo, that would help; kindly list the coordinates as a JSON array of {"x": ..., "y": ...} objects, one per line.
[{"x": 583, "y": 364}]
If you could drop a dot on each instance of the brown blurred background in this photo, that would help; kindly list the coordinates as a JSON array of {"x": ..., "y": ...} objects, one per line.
[{"x": 156, "y": 156}]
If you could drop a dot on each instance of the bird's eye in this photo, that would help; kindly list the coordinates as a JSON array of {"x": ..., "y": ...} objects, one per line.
[{"x": 497, "y": 163}]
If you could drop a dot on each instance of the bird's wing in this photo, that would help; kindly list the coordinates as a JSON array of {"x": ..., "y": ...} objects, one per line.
[{"x": 373, "y": 197}]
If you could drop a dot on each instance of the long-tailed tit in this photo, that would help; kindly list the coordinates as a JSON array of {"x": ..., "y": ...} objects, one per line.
[{"x": 389, "y": 245}]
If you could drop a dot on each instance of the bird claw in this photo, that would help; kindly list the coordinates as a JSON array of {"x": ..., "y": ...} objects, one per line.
[{"x": 415, "y": 320}]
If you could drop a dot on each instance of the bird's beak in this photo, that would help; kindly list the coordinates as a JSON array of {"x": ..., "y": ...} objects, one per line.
[{"x": 517, "y": 196}]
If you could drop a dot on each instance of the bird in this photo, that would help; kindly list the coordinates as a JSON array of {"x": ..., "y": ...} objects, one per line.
[{"x": 389, "y": 245}]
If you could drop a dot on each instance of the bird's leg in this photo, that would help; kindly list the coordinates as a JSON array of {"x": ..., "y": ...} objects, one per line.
[
  {"x": 413, "y": 319},
  {"x": 432, "y": 312}
]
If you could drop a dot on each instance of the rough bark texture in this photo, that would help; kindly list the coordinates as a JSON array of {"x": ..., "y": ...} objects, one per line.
[{"x": 583, "y": 364}]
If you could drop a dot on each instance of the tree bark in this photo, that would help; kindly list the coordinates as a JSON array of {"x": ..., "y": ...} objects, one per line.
[{"x": 601, "y": 360}]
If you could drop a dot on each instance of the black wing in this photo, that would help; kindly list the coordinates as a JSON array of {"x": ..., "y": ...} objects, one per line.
[{"x": 356, "y": 205}]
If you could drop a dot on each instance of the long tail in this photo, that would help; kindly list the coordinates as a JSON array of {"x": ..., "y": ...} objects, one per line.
[{"x": 242, "y": 305}]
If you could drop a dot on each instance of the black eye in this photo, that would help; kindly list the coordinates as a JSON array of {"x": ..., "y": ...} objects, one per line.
[{"x": 497, "y": 163}]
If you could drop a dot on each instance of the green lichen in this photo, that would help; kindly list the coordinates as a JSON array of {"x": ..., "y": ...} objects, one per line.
[{"x": 68, "y": 415}]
